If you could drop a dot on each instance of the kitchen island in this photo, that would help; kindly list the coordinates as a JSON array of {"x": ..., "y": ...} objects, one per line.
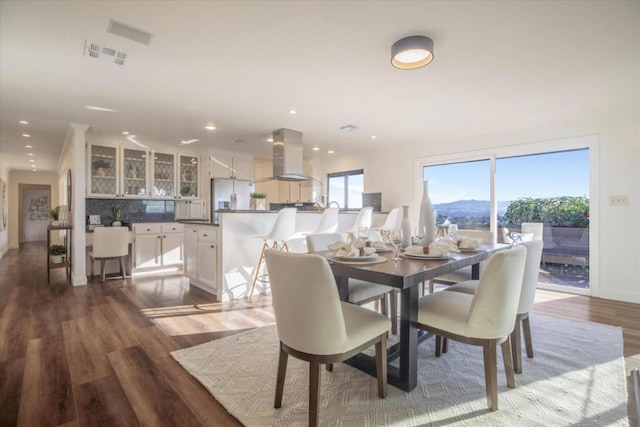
[{"x": 222, "y": 258}]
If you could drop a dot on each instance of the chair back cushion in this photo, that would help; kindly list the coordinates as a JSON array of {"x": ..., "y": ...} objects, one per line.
[
  {"x": 530, "y": 278},
  {"x": 328, "y": 221},
  {"x": 109, "y": 242},
  {"x": 320, "y": 242},
  {"x": 306, "y": 303},
  {"x": 495, "y": 301},
  {"x": 285, "y": 226}
]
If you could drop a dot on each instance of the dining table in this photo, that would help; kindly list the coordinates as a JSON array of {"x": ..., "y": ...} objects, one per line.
[{"x": 406, "y": 275}]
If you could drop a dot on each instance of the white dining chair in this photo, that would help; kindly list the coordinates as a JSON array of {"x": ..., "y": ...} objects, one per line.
[
  {"x": 522, "y": 327},
  {"x": 109, "y": 243},
  {"x": 485, "y": 318},
  {"x": 328, "y": 221},
  {"x": 393, "y": 221},
  {"x": 314, "y": 326},
  {"x": 283, "y": 229},
  {"x": 360, "y": 291}
]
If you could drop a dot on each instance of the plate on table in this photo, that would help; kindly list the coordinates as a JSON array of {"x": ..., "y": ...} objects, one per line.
[
  {"x": 364, "y": 258},
  {"x": 425, "y": 256},
  {"x": 385, "y": 249},
  {"x": 480, "y": 249}
]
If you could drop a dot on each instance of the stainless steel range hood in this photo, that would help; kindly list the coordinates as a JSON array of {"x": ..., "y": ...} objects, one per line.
[{"x": 287, "y": 157}]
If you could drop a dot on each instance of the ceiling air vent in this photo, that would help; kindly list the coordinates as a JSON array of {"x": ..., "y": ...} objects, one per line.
[
  {"x": 349, "y": 128},
  {"x": 128, "y": 32},
  {"x": 94, "y": 50}
]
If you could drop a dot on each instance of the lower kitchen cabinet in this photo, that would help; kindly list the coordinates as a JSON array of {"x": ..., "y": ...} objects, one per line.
[
  {"x": 157, "y": 245},
  {"x": 201, "y": 256}
]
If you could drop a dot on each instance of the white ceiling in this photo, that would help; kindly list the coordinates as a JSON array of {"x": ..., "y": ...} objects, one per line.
[{"x": 244, "y": 65}]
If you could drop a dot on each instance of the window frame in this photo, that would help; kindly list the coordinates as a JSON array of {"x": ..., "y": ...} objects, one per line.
[{"x": 344, "y": 204}]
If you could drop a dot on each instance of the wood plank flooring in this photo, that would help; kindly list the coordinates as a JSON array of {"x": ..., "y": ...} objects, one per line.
[{"x": 98, "y": 355}]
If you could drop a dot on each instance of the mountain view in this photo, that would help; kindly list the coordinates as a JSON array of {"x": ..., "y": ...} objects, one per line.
[{"x": 469, "y": 212}]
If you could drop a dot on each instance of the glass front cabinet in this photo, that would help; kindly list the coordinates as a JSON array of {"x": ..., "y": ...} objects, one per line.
[
  {"x": 188, "y": 176},
  {"x": 103, "y": 170},
  {"x": 164, "y": 175},
  {"x": 134, "y": 173}
]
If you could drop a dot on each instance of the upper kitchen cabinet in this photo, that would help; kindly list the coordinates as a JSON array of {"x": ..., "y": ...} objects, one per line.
[
  {"x": 188, "y": 176},
  {"x": 164, "y": 175},
  {"x": 102, "y": 171},
  {"x": 227, "y": 166},
  {"x": 134, "y": 167}
]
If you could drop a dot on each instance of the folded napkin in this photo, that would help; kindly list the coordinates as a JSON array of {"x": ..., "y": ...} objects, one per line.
[
  {"x": 438, "y": 248},
  {"x": 375, "y": 245},
  {"x": 338, "y": 246},
  {"x": 351, "y": 249},
  {"x": 469, "y": 242}
]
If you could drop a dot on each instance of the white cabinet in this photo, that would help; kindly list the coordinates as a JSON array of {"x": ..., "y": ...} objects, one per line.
[
  {"x": 201, "y": 256},
  {"x": 164, "y": 175},
  {"x": 117, "y": 171},
  {"x": 227, "y": 166},
  {"x": 264, "y": 169},
  {"x": 157, "y": 245},
  {"x": 190, "y": 209},
  {"x": 188, "y": 176}
]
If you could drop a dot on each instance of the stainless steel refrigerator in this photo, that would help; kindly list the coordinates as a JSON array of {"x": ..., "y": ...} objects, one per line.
[{"x": 222, "y": 190}]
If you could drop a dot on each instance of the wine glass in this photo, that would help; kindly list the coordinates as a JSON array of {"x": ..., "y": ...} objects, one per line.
[
  {"x": 363, "y": 234},
  {"x": 395, "y": 237},
  {"x": 421, "y": 231},
  {"x": 453, "y": 232}
]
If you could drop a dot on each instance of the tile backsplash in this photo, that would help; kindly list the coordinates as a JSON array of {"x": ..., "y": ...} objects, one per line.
[{"x": 131, "y": 210}]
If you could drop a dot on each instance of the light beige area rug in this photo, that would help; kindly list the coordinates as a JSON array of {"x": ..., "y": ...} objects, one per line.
[{"x": 577, "y": 378}]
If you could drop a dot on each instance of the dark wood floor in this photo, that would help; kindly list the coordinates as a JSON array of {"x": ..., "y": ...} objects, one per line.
[{"x": 99, "y": 354}]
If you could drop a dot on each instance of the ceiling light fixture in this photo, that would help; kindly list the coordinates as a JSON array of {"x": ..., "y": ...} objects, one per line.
[
  {"x": 292, "y": 112},
  {"x": 412, "y": 52},
  {"x": 29, "y": 154},
  {"x": 124, "y": 132},
  {"x": 23, "y": 122},
  {"x": 31, "y": 160},
  {"x": 189, "y": 141},
  {"x": 373, "y": 137},
  {"x": 269, "y": 139},
  {"x": 26, "y": 135},
  {"x": 28, "y": 146},
  {"x": 210, "y": 127},
  {"x": 330, "y": 151},
  {"x": 316, "y": 148}
]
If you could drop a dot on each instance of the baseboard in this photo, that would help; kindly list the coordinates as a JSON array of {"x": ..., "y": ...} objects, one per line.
[
  {"x": 624, "y": 296},
  {"x": 4, "y": 252},
  {"x": 79, "y": 280}
]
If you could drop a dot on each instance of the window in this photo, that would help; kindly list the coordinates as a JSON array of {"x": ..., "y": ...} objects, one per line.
[{"x": 346, "y": 188}]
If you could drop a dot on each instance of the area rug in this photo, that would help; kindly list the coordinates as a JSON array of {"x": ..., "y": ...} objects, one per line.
[{"x": 576, "y": 378}]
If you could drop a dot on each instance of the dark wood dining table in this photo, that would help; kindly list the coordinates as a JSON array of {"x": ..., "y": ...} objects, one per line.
[{"x": 406, "y": 275}]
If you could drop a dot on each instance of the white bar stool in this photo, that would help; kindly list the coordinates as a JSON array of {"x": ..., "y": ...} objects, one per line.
[{"x": 283, "y": 229}]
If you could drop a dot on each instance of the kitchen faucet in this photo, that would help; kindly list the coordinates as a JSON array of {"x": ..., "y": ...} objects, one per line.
[{"x": 332, "y": 202}]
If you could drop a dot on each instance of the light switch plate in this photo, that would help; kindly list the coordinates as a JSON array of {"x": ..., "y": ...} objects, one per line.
[{"x": 619, "y": 200}]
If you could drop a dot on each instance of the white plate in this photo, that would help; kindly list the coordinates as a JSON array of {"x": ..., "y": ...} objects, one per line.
[
  {"x": 385, "y": 249},
  {"x": 471, "y": 249},
  {"x": 425, "y": 256},
  {"x": 356, "y": 258}
]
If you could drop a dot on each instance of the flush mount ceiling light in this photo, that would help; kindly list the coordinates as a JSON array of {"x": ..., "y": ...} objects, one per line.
[
  {"x": 210, "y": 127},
  {"x": 412, "y": 52}
]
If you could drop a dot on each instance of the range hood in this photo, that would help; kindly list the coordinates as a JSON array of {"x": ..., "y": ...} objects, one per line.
[{"x": 287, "y": 157}]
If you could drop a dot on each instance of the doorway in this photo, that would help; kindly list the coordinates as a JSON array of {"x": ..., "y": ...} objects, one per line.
[{"x": 33, "y": 209}]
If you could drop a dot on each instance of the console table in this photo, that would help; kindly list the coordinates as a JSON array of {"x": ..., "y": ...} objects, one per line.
[{"x": 66, "y": 262}]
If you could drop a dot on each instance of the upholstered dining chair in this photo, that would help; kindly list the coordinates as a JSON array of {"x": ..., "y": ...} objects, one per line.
[
  {"x": 283, "y": 229},
  {"x": 109, "y": 243},
  {"x": 485, "y": 318},
  {"x": 527, "y": 296},
  {"x": 361, "y": 292},
  {"x": 314, "y": 326}
]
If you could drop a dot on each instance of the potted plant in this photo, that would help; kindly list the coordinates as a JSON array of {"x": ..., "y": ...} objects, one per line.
[
  {"x": 54, "y": 214},
  {"x": 257, "y": 201},
  {"x": 57, "y": 253},
  {"x": 115, "y": 210}
]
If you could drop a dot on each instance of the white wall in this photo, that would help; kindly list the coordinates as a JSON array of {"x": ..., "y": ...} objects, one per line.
[
  {"x": 4, "y": 234},
  {"x": 391, "y": 171}
]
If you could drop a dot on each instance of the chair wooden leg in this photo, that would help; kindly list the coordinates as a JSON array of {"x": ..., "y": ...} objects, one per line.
[
  {"x": 314, "y": 390},
  {"x": 393, "y": 311},
  {"x": 258, "y": 268},
  {"x": 490, "y": 373},
  {"x": 382, "y": 308},
  {"x": 516, "y": 347},
  {"x": 93, "y": 264},
  {"x": 122, "y": 269},
  {"x": 329, "y": 367},
  {"x": 381, "y": 366},
  {"x": 438, "y": 345},
  {"x": 508, "y": 363},
  {"x": 431, "y": 286},
  {"x": 528, "y": 343},
  {"x": 102, "y": 263},
  {"x": 282, "y": 371}
]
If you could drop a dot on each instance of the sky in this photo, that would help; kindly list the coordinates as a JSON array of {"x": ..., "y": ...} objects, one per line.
[{"x": 539, "y": 176}]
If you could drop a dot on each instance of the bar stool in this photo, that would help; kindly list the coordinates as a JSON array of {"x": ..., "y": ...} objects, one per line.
[{"x": 283, "y": 228}]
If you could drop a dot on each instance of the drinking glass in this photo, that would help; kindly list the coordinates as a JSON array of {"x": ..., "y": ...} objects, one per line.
[
  {"x": 421, "y": 231},
  {"x": 363, "y": 234},
  {"x": 453, "y": 232},
  {"x": 395, "y": 237}
]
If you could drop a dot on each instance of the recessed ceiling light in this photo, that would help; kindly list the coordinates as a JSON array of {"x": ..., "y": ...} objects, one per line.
[
  {"x": 94, "y": 108},
  {"x": 29, "y": 154},
  {"x": 23, "y": 122},
  {"x": 330, "y": 151},
  {"x": 26, "y": 135},
  {"x": 316, "y": 148},
  {"x": 373, "y": 137},
  {"x": 292, "y": 112},
  {"x": 31, "y": 160},
  {"x": 28, "y": 146},
  {"x": 124, "y": 132},
  {"x": 269, "y": 139},
  {"x": 210, "y": 127},
  {"x": 189, "y": 141},
  {"x": 34, "y": 170}
]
